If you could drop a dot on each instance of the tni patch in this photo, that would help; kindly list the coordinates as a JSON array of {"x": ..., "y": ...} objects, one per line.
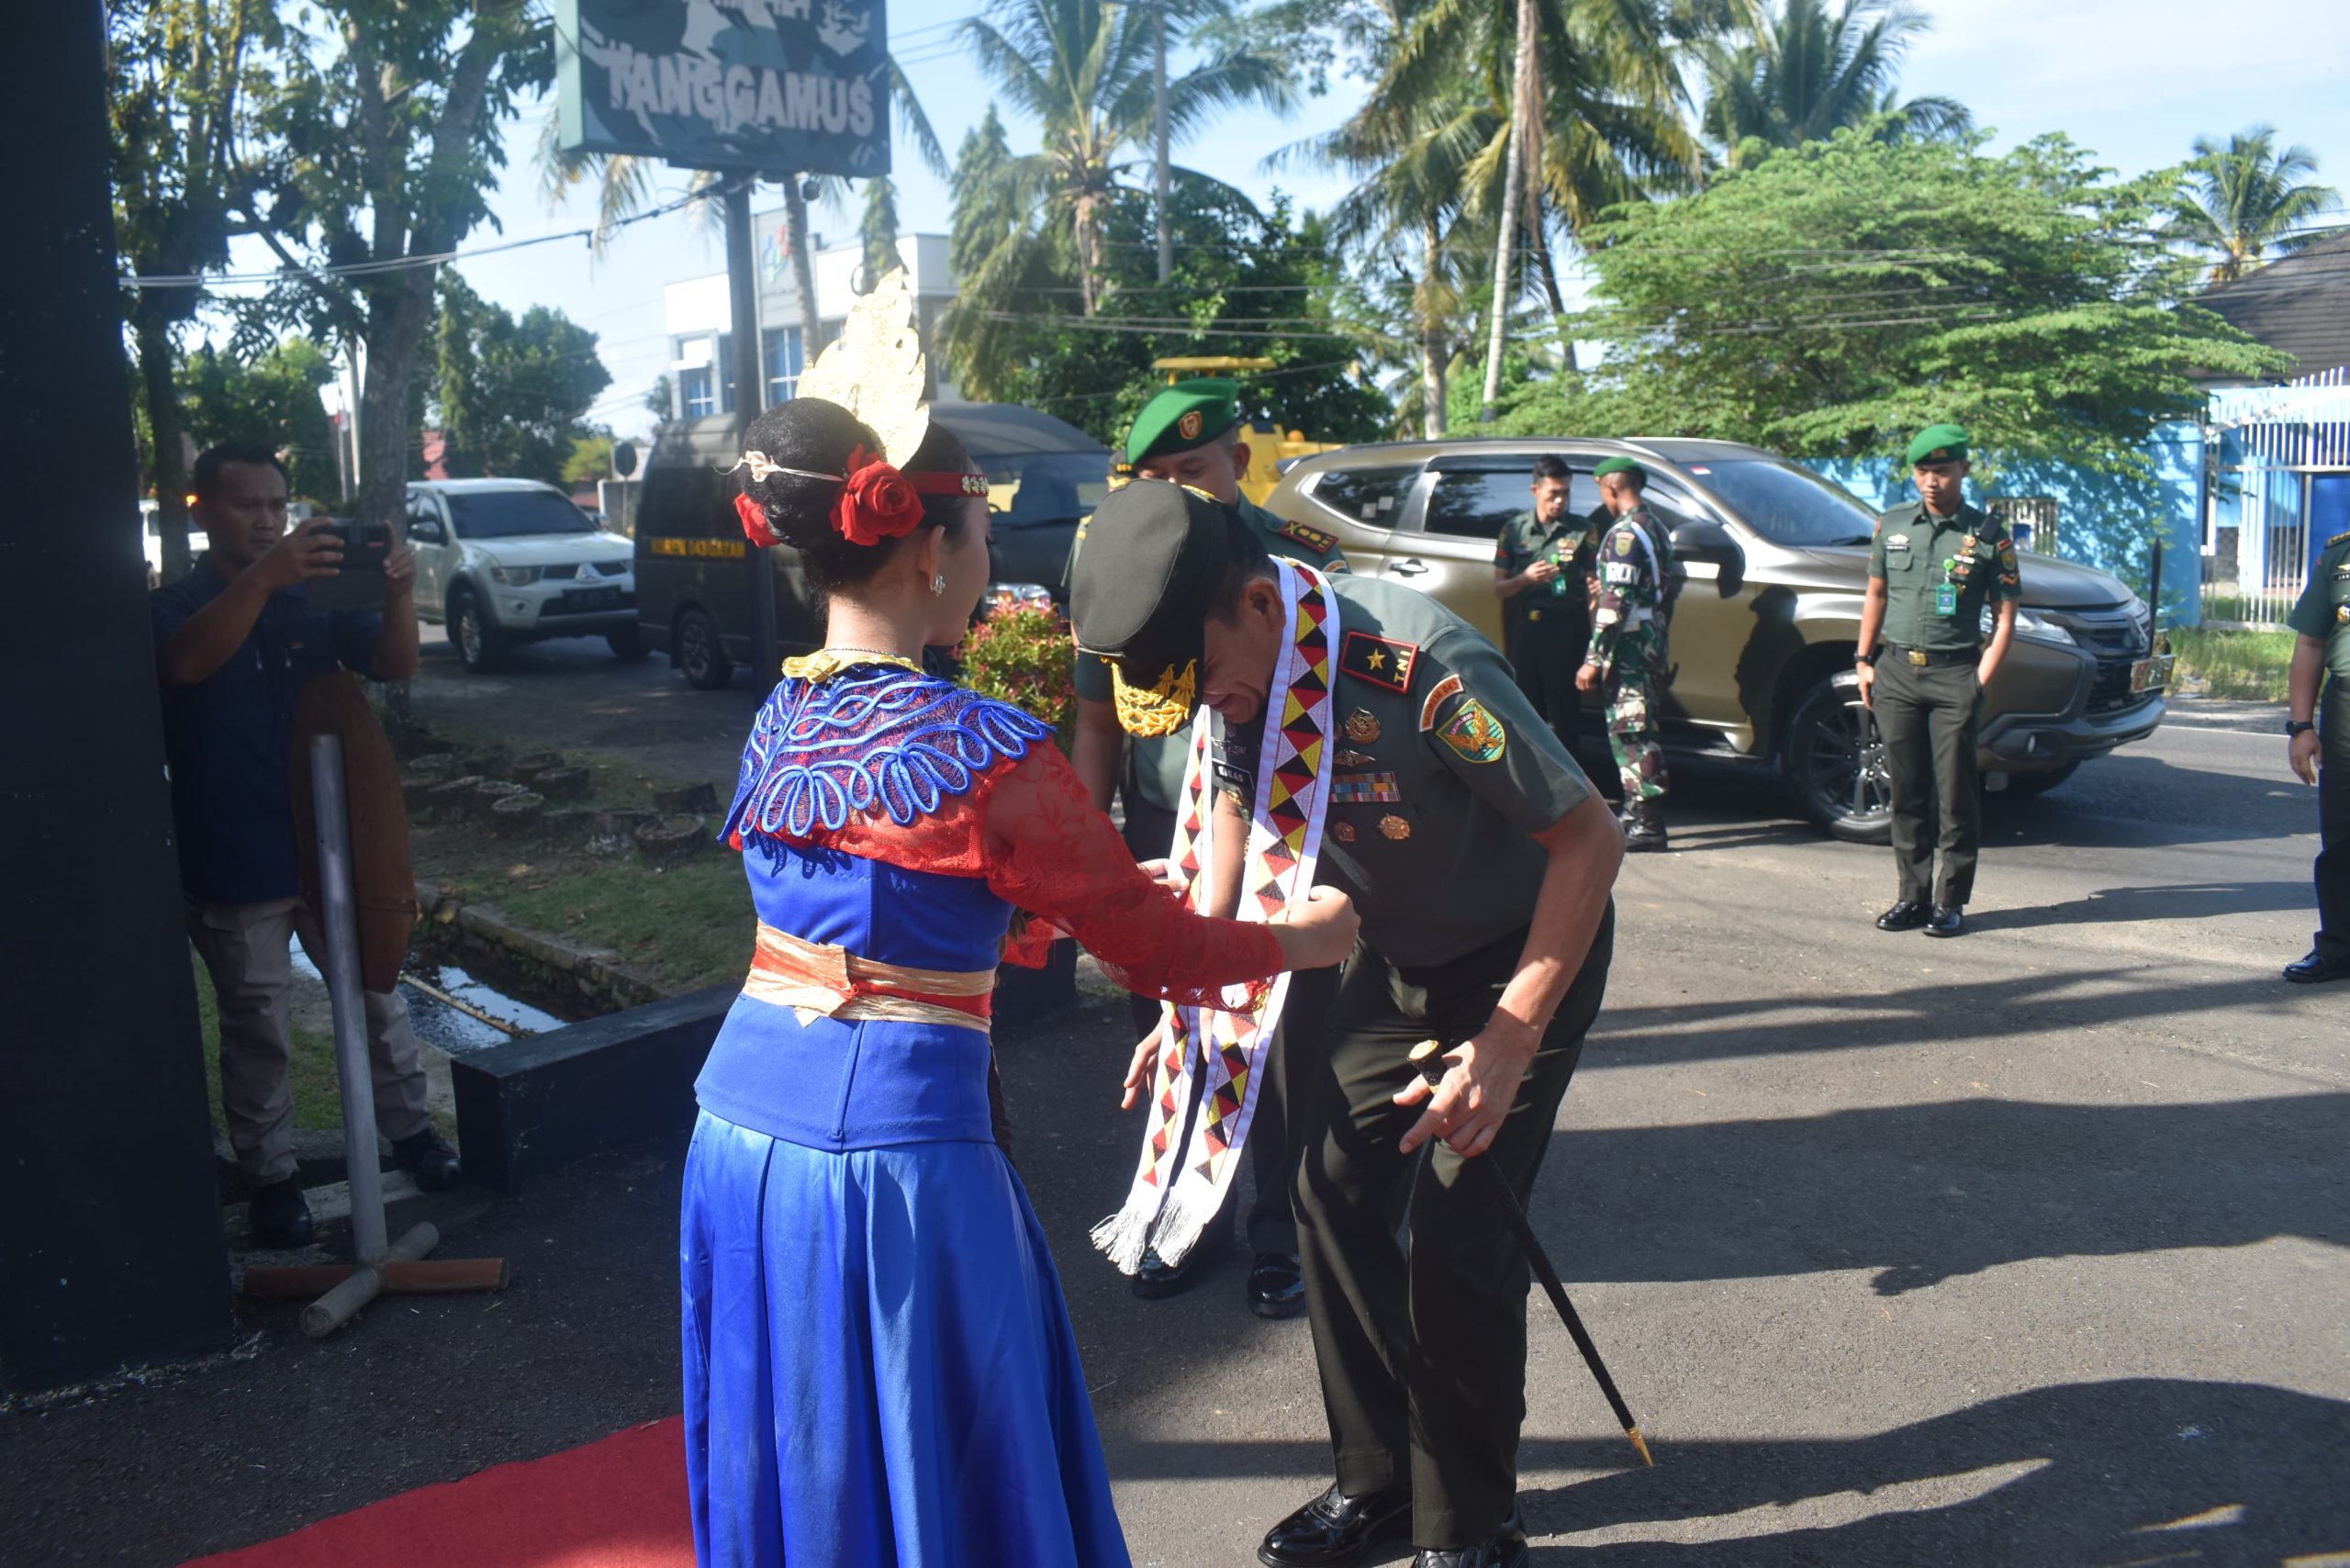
[
  {"x": 1475, "y": 734},
  {"x": 1379, "y": 660}
]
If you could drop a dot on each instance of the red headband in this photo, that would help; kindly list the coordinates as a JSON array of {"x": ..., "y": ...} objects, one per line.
[{"x": 876, "y": 502}]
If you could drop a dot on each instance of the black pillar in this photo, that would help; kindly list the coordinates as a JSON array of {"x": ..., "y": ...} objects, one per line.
[{"x": 111, "y": 1251}]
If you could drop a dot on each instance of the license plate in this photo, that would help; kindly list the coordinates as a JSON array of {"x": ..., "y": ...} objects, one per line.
[
  {"x": 2150, "y": 674},
  {"x": 592, "y": 598}
]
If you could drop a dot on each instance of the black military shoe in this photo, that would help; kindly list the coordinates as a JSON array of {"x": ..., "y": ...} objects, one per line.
[
  {"x": 1334, "y": 1530},
  {"x": 1644, "y": 827},
  {"x": 280, "y": 1216},
  {"x": 428, "y": 1157},
  {"x": 1276, "y": 1288},
  {"x": 1906, "y": 915},
  {"x": 1158, "y": 1278},
  {"x": 1506, "y": 1549},
  {"x": 1948, "y": 920},
  {"x": 2317, "y": 968}
]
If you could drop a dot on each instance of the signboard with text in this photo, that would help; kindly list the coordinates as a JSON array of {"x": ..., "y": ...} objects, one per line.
[{"x": 779, "y": 87}]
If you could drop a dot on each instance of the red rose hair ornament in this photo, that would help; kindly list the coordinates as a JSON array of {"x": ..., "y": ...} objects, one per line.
[{"x": 755, "y": 527}]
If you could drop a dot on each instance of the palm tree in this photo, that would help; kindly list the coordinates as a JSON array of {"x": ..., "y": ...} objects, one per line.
[
  {"x": 1575, "y": 105},
  {"x": 1807, "y": 75},
  {"x": 2246, "y": 201},
  {"x": 623, "y": 184},
  {"x": 1083, "y": 69}
]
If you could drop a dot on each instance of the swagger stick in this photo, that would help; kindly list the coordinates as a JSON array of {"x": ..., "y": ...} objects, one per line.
[{"x": 1428, "y": 1059}]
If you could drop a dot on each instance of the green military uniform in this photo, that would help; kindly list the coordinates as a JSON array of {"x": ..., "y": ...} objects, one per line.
[
  {"x": 1442, "y": 771},
  {"x": 2323, "y": 612},
  {"x": 1940, "y": 573},
  {"x": 1630, "y": 646},
  {"x": 1545, "y": 627},
  {"x": 1186, "y": 415}
]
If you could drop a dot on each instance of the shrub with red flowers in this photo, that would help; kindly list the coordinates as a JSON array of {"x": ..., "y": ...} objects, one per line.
[{"x": 1023, "y": 655}]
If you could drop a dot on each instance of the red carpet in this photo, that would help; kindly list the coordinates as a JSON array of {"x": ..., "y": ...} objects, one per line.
[{"x": 619, "y": 1503}]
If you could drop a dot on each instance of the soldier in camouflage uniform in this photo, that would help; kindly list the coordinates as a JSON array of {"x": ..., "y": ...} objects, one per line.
[{"x": 1628, "y": 653}]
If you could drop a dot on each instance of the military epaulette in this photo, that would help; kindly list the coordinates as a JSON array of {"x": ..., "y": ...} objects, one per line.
[
  {"x": 1379, "y": 660},
  {"x": 1318, "y": 540},
  {"x": 2342, "y": 538}
]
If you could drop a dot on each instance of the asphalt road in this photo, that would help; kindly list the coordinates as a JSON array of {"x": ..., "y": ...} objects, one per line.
[{"x": 2026, "y": 1248}]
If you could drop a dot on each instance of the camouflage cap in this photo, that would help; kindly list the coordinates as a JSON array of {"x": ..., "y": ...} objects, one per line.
[
  {"x": 1139, "y": 594},
  {"x": 1938, "y": 444},
  {"x": 1182, "y": 416}
]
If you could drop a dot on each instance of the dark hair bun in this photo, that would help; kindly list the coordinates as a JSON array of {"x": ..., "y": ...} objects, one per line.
[{"x": 810, "y": 433}]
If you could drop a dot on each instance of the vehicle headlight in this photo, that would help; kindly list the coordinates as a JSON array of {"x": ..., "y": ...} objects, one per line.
[
  {"x": 515, "y": 577},
  {"x": 1016, "y": 596},
  {"x": 2038, "y": 627}
]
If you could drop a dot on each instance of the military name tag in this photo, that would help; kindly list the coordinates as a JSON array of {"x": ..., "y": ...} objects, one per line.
[{"x": 1896, "y": 542}]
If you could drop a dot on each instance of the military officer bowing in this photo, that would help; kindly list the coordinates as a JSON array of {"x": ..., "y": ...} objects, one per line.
[
  {"x": 1935, "y": 565},
  {"x": 1191, "y": 433},
  {"x": 1481, "y": 861}
]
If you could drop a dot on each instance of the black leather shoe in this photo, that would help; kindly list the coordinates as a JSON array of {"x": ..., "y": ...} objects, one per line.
[
  {"x": 1158, "y": 1278},
  {"x": 1334, "y": 1530},
  {"x": 428, "y": 1157},
  {"x": 1276, "y": 1288},
  {"x": 280, "y": 1216},
  {"x": 1506, "y": 1549},
  {"x": 1644, "y": 827},
  {"x": 1906, "y": 915},
  {"x": 2317, "y": 968},
  {"x": 1948, "y": 920}
]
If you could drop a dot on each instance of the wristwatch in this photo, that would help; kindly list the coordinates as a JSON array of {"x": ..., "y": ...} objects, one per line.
[
  {"x": 1869, "y": 659},
  {"x": 2296, "y": 726}
]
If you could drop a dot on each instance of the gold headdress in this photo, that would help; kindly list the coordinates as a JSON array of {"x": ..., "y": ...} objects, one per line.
[{"x": 874, "y": 369}]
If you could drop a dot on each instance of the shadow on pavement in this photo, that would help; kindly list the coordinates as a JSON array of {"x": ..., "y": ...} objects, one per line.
[{"x": 2185, "y": 901}]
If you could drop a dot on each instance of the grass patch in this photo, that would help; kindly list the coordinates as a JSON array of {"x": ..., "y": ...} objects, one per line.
[
  {"x": 2246, "y": 666},
  {"x": 689, "y": 925},
  {"x": 318, "y": 1094}
]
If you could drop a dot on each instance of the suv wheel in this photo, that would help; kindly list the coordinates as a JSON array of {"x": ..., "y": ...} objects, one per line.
[
  {"x": 627, "y": 643},
  {"x": 1833, "y": 763},
  {"x": 695, "y": 651},
  {"x": 479, "y": 646}
]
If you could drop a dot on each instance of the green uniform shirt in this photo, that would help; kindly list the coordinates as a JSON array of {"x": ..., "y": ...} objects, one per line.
[
  {"x": 1441, "y": 771},
  {"x": 1563, "y": 604},
  {"x": 1913, "y": 553},
  {"x": 1155, "y": 762},
  {"x": 2324, "y": 609}
]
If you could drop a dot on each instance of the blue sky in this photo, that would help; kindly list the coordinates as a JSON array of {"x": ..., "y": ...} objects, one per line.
[{"x": 2135, "y": 80}]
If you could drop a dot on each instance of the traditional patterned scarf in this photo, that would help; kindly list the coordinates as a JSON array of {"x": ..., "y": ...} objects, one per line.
[{"x": 1170, "y": 1204}]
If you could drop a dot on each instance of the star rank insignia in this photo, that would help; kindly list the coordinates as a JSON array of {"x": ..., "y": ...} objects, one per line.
[
  {"x": 1381, "y": 661},
  {"x": 1314, "y": 539}
]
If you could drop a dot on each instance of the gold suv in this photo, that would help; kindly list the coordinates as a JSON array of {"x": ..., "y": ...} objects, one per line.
[{"x": 1764, "y": 634}]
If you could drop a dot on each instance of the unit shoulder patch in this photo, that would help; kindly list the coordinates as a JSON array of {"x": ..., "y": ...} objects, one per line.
[
  {"x": 1448, "y": 687},
  {"x": 1381, "y": 661},
  {"x": 1320, "y": 541},
  {"x": 1475, "y": 734}
]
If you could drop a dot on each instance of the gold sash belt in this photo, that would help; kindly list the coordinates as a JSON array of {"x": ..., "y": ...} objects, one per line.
[{"x": 816, "y": 980}]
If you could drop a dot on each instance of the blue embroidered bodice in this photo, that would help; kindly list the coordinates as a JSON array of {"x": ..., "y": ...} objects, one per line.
[{"x": 871, "y": 737}]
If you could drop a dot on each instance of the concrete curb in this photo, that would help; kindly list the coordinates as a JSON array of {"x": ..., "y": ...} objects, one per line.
[{"x": 595, "y": 973}]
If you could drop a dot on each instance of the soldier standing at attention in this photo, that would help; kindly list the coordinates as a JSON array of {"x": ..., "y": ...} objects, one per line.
[
  {"x": 1481, "y": 863},
  {"x": 1628, "y": 653},
  {"x": 1936, "y": 566},
  {"x": 1190, "y": 434},
  {"x": 2321, "y": 616},
  {"x": 1542, "y": 573}
]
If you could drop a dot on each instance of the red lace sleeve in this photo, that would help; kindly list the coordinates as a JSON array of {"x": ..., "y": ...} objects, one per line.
[{"x": 1051, "y": 853}]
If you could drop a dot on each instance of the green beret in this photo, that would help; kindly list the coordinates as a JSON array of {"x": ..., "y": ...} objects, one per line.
[
  {"x": 1618, "y": 466},
  {"x": 1185, "y": 415},
  {"x": 1139, "y": 594},
  {"x": 1938, "y": 444}
]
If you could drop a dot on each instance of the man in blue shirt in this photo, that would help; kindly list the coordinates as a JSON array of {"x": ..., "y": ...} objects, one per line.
[{"x": 235, "y": 640}]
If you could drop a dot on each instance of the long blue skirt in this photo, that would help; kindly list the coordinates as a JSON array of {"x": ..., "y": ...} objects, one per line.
[{"x": 879, "y": 1367}]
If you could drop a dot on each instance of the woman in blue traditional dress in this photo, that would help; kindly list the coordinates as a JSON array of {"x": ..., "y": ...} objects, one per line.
[{"x": 878, "y": 1363}]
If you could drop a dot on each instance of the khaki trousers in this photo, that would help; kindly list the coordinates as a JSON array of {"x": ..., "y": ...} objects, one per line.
[{"x": 244, "y": 946}]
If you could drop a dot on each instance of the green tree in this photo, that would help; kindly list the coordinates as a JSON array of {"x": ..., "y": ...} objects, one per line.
[
  {"x": 879, "y": 229},
  {"x": 1807, "y": 75},
  {"x": 509, "y": 395},
  {"x": 2246, "y": 201},
  {"x": 590, "y": 459},
  {"x": 1084, "y": 68},
  {"x": 391, "y": 114},
  {"x": 182, "y": 75},
  {"x": 1832, "y": 299},
  {"x": 273, "y": 398},
  {"x": 659, "y": 401}
]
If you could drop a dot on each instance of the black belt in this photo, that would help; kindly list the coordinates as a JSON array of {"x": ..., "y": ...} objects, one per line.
[{"x": 1924, "y": 656}]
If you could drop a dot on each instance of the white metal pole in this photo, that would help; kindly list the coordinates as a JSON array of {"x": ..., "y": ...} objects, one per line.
[{"x": 339, "y": 918}]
